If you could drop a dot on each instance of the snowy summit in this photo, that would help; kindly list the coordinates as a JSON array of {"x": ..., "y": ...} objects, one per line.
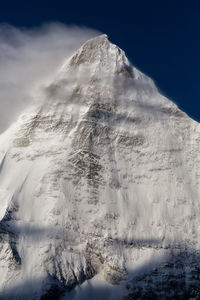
[{"x": 100, "y": 188}]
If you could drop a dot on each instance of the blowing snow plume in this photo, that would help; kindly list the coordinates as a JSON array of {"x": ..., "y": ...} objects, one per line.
[{"x": 29, "y": 58}]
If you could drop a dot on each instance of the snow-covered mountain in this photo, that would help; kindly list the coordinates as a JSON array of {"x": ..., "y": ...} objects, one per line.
[{"x": 99, "y": 188}]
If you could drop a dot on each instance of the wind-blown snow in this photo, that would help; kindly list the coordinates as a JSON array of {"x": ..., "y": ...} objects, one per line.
[
  {"x": 29, "y": 59},
  {"x": 101, "y": 181}
]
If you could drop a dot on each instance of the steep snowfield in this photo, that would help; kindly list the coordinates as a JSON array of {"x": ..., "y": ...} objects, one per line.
[{"x": 100, "y": 181}]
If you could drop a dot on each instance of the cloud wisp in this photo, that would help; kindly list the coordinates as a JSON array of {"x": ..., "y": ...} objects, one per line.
[{"x": 29, "y": 58}]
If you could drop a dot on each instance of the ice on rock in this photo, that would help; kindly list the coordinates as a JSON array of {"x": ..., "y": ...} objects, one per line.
[{"x": 101, "y": 183}]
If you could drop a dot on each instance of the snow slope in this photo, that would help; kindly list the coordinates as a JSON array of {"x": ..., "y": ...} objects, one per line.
[{"x": 101, "y": 180}]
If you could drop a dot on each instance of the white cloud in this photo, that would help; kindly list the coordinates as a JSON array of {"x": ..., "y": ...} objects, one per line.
[{"x": 29, "y": 58}]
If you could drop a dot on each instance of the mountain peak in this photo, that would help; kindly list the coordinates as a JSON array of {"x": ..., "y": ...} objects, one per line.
[
  {"x": 100, "y": 60},
  {"x": 100, "y": 37},
  {"x": 101, "y": 180},
  {"x": 98, "y": 50},
  {"x": 100, "y": 40}
]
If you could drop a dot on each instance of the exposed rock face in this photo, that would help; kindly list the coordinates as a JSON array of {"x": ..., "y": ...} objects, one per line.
[{"x": 101, "y": 179}]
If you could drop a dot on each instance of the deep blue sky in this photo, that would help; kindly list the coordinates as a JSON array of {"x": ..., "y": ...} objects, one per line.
[{"x": 161, "y": 38}]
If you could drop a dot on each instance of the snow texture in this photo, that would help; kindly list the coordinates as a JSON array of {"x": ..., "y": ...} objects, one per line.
[{"x": 99, "y": 188}]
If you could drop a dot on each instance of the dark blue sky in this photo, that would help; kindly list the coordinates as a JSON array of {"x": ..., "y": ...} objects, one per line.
[{"x": 161, "y": 38}]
